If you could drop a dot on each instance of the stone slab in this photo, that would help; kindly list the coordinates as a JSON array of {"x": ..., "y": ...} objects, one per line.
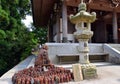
[{"x": 77, "y": 72}]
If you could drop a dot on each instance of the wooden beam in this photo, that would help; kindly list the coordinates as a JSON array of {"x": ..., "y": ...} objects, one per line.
[
  {"x": 36, "y": 10},
  {"x": 41, "y": 11},
  {"x": 100, "y": 7},
  {"x": 73, "y": 3}
]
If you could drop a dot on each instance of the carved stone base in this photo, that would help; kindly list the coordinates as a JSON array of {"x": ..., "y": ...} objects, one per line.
[{"x": 89, "y": 71}]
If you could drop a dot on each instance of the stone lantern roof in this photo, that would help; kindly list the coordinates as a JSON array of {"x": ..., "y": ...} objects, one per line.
[{"x": 82, "y": 15}]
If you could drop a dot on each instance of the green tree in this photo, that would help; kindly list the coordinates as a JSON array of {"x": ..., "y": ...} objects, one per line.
[
  {"x": 16, "y": 41},
  {"x": 40, "y": 34}
]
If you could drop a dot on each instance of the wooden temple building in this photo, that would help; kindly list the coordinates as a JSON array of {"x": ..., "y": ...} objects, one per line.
[{"x": 54, "y": 14}]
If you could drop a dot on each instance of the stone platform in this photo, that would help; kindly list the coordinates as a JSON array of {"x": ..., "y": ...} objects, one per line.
[{"x": 107, "y": 73}]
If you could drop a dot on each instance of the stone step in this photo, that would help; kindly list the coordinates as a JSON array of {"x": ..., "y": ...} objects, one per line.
[
  {"x": 74, "y": 58},
  {"x": 99, "y": 57},
  {"x": 98, "y": 64}
]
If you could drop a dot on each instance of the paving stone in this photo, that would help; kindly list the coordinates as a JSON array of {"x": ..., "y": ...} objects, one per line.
[{"x": 77, "y": 72}]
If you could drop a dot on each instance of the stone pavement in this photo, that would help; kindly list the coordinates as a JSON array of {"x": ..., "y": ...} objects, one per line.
[{"x": 107, "y": 73}]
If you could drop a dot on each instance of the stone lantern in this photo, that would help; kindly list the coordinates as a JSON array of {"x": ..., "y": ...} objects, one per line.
[{"x": 82, "y": 21}]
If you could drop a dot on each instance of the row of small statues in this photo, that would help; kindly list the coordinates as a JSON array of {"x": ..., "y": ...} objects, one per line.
[{"x": 43, "y": 72}]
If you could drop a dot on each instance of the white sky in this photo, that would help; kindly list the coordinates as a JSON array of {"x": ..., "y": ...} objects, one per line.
[{"x": 28, "y": 20}]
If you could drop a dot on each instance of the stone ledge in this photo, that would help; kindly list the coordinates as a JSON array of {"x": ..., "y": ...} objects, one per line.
[{"x": 6, "y": 78}]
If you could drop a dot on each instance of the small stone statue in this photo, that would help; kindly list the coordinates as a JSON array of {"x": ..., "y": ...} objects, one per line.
[{"x": 42, "y": 58}]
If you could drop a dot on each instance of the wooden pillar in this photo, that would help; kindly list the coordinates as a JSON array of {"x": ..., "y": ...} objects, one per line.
[
  {"x": 61, "y": 30},
  {"x": 64, "y": 21},
  {"x": 115, "y": 27},
  {"x": 58, "y": 29},
  {"x": 88, "y": 10},
  {"x": 50, "y": 33}
]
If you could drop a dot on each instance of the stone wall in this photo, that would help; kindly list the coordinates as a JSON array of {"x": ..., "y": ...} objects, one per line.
[
  {"x": 69, "y": 48},
  {"x": 7, "y": 77}
]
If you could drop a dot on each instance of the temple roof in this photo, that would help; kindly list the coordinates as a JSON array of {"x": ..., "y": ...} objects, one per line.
[{"x": 42, "y": 8}]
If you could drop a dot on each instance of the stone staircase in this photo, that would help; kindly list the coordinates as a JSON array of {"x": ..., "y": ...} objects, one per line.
[
  {"x": 74, "y": 58},
  {"x": 98, "y": 57}
]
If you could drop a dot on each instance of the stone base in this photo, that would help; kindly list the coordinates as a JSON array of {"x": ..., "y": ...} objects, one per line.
[
  {"x": 89, "y": 71},
  {"x": 84, "y": 71}
]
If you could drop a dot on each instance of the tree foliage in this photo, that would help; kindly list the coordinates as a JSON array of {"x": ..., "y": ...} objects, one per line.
[
  {"x": 16, "y": 41},
  {"x": 40, "y": 34}
]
